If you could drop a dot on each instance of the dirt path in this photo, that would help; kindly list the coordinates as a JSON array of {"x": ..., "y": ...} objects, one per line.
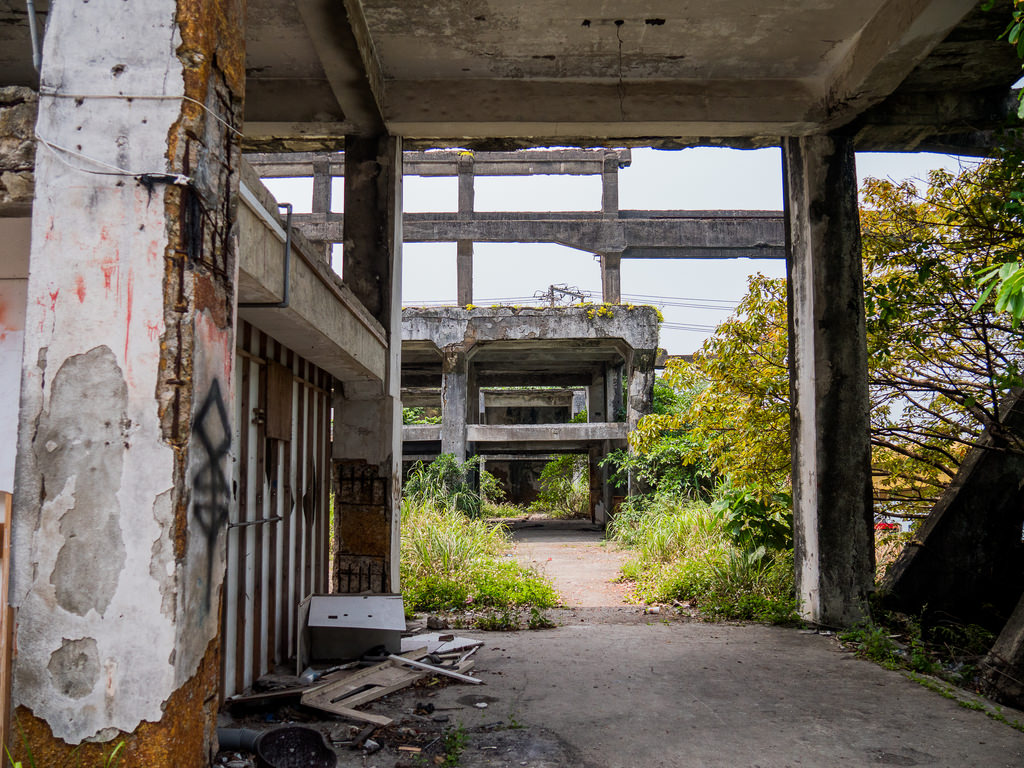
[{"x": 575, "y": 556}]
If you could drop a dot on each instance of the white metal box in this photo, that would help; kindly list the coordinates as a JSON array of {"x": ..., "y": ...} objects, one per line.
[{"x": 347, "y": 626}]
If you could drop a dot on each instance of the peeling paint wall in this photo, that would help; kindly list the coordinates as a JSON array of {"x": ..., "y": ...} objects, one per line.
[{"x": 124, "y": 455}]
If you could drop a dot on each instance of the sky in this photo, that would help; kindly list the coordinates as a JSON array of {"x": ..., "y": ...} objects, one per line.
[{"x": 694, "y": 295}]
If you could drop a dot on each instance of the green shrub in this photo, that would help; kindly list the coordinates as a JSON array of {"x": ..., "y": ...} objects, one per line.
[
  {"x": 448, "y": 483},
  {"x": 684, "y": 551},
  {"x": 564, "y": 488}
]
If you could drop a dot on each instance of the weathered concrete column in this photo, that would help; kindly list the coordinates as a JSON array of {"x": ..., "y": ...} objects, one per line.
[
  {"x": 640, "y": 397},
  {"x": 597, "y": 401},
  {"x": 123, "y": 485},
  {"x": 598, "y": 508},
  {"x": 828, "y": 382},
  {"x": 322, "y": 194},
  {"x": 611, "y": 282},
  {"x": 610, "y": 185},
  {"x": 613, "y": 391},
  {"x": 368, "y": 415},
  {"x": 639, "y": 400},
  {"x": 464, "y": 248},
  {"x": 454, "y": 401}
]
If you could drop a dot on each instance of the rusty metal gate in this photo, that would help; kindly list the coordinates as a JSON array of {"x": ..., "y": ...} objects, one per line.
[{"x": 278, "y": 544}]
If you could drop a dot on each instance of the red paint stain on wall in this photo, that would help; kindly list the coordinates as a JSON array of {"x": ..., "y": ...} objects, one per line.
[
  {"x": 80, "y": 289},
  {"x": 109, "y": 267},
  {"x": 128, "y": 324},
  {"x": 152, "y": 330}
]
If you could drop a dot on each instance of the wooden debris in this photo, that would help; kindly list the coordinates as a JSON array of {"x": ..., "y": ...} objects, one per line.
[
  {"x": 375, "y": 721},
  {"x": 436, "y": 670},
  {"x": 346, "y": 690}
]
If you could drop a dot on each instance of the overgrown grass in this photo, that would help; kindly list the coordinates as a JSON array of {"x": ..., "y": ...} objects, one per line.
[
  {"x": 683, "y": 552},
  {"x": 564, "y": 488},
  {"x": 453, "y": 562}
]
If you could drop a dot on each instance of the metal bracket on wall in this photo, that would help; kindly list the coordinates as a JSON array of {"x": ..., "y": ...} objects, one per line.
[
  {"x": 282, "y": 234},
  {"x": 261, "y": 521}
]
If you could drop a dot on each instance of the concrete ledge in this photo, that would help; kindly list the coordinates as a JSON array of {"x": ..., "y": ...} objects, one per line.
[
  {"x": 421, "y": 432},
  {"x": 521, "y": 433},
  {"x": 444, "y": 326},
  {"x": 324, "y": 321}
]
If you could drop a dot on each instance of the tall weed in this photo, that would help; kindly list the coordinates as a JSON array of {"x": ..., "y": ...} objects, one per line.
[
  {"x": 450, "y": 561},
  {"x": 685, "y": 550}
]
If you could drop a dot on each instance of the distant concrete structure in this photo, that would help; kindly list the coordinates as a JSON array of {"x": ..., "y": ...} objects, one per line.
[
  {"x": 452, "y": 356},
  {"x": 611, "y": 233}
]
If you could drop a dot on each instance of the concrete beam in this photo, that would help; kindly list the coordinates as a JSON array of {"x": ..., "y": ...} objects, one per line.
[
  {"x": 537, "y": 433},
  {"x": 324, "y": 322},
  {"x": 351, "y": 69},
  {"x": 519, "y": 398},
  {"x": 885, "y": 52},
  {"x": 634, "y": 234},
  {"x": 425, "y": 433},
  {"x": 533, "y": 162},
  {"x": 636, "y": 326},
  {"x": 510, "y": 107},
  {"x": 832, "y": 501}
]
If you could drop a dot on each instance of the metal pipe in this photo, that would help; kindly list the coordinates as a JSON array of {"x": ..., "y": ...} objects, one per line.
[
  {"x": 33, "y": 31},
  {"x": 286, "y": 293}
]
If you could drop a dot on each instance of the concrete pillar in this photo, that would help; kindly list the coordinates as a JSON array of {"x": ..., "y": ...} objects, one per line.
[
  {"x": 368, "y": 415},
  {"x": 597, "y": 401},
  {"x": 613, "y": 392},
  {"x": 610, "y": 185},
  {"x": 464, "y": 271},
  {"x": 322, "y": 195},
  {"x": 579, "y": 402},
  {"x": 464, "y": 248},
  {"x": 454, "y": 399},
  {"x": 640, "y": 398},
  {"x": 828, "y": 382},
  {"x": 123, "y": 486},
  {"x": 611, "y": 282},
  {"x": 598, "y": 509},
  {"x": 639, "y": 401}
]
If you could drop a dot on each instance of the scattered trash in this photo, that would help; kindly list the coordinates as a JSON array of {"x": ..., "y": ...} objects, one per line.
[
  {"x": 289, "y": 746},
  {"x": 323, "y": 694},
  {"x": 652, "y": 609},
  {"x": 439, "y": 643}
]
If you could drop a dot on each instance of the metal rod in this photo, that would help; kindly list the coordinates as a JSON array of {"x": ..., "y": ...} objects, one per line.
[
  {"x": 286, "y": 292},
  {"x": 261, "y": 521},
  {"x": 33, "y": 31}
]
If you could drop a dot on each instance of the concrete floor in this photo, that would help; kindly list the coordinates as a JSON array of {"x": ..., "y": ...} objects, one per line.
[
  {"x": 574, "y": 555},
  {"x": 681, "y": 694},
  {"x": 614, "y": 688}
]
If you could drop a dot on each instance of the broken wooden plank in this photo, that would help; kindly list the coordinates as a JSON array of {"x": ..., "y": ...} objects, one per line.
[
  {"x": 363, "y": 717},
  {"x": 440, "y": 643},
  {"x": 436, "y": 670},
  {"x": 363, "y": 686}
]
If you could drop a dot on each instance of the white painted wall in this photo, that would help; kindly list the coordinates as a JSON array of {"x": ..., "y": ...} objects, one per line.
[
  {"x": 96, "y": 283},
  {"x": 14, "y": 250}
]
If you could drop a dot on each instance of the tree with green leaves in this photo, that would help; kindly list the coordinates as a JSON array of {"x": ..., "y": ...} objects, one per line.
[{"x": 939, "y": 367}]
